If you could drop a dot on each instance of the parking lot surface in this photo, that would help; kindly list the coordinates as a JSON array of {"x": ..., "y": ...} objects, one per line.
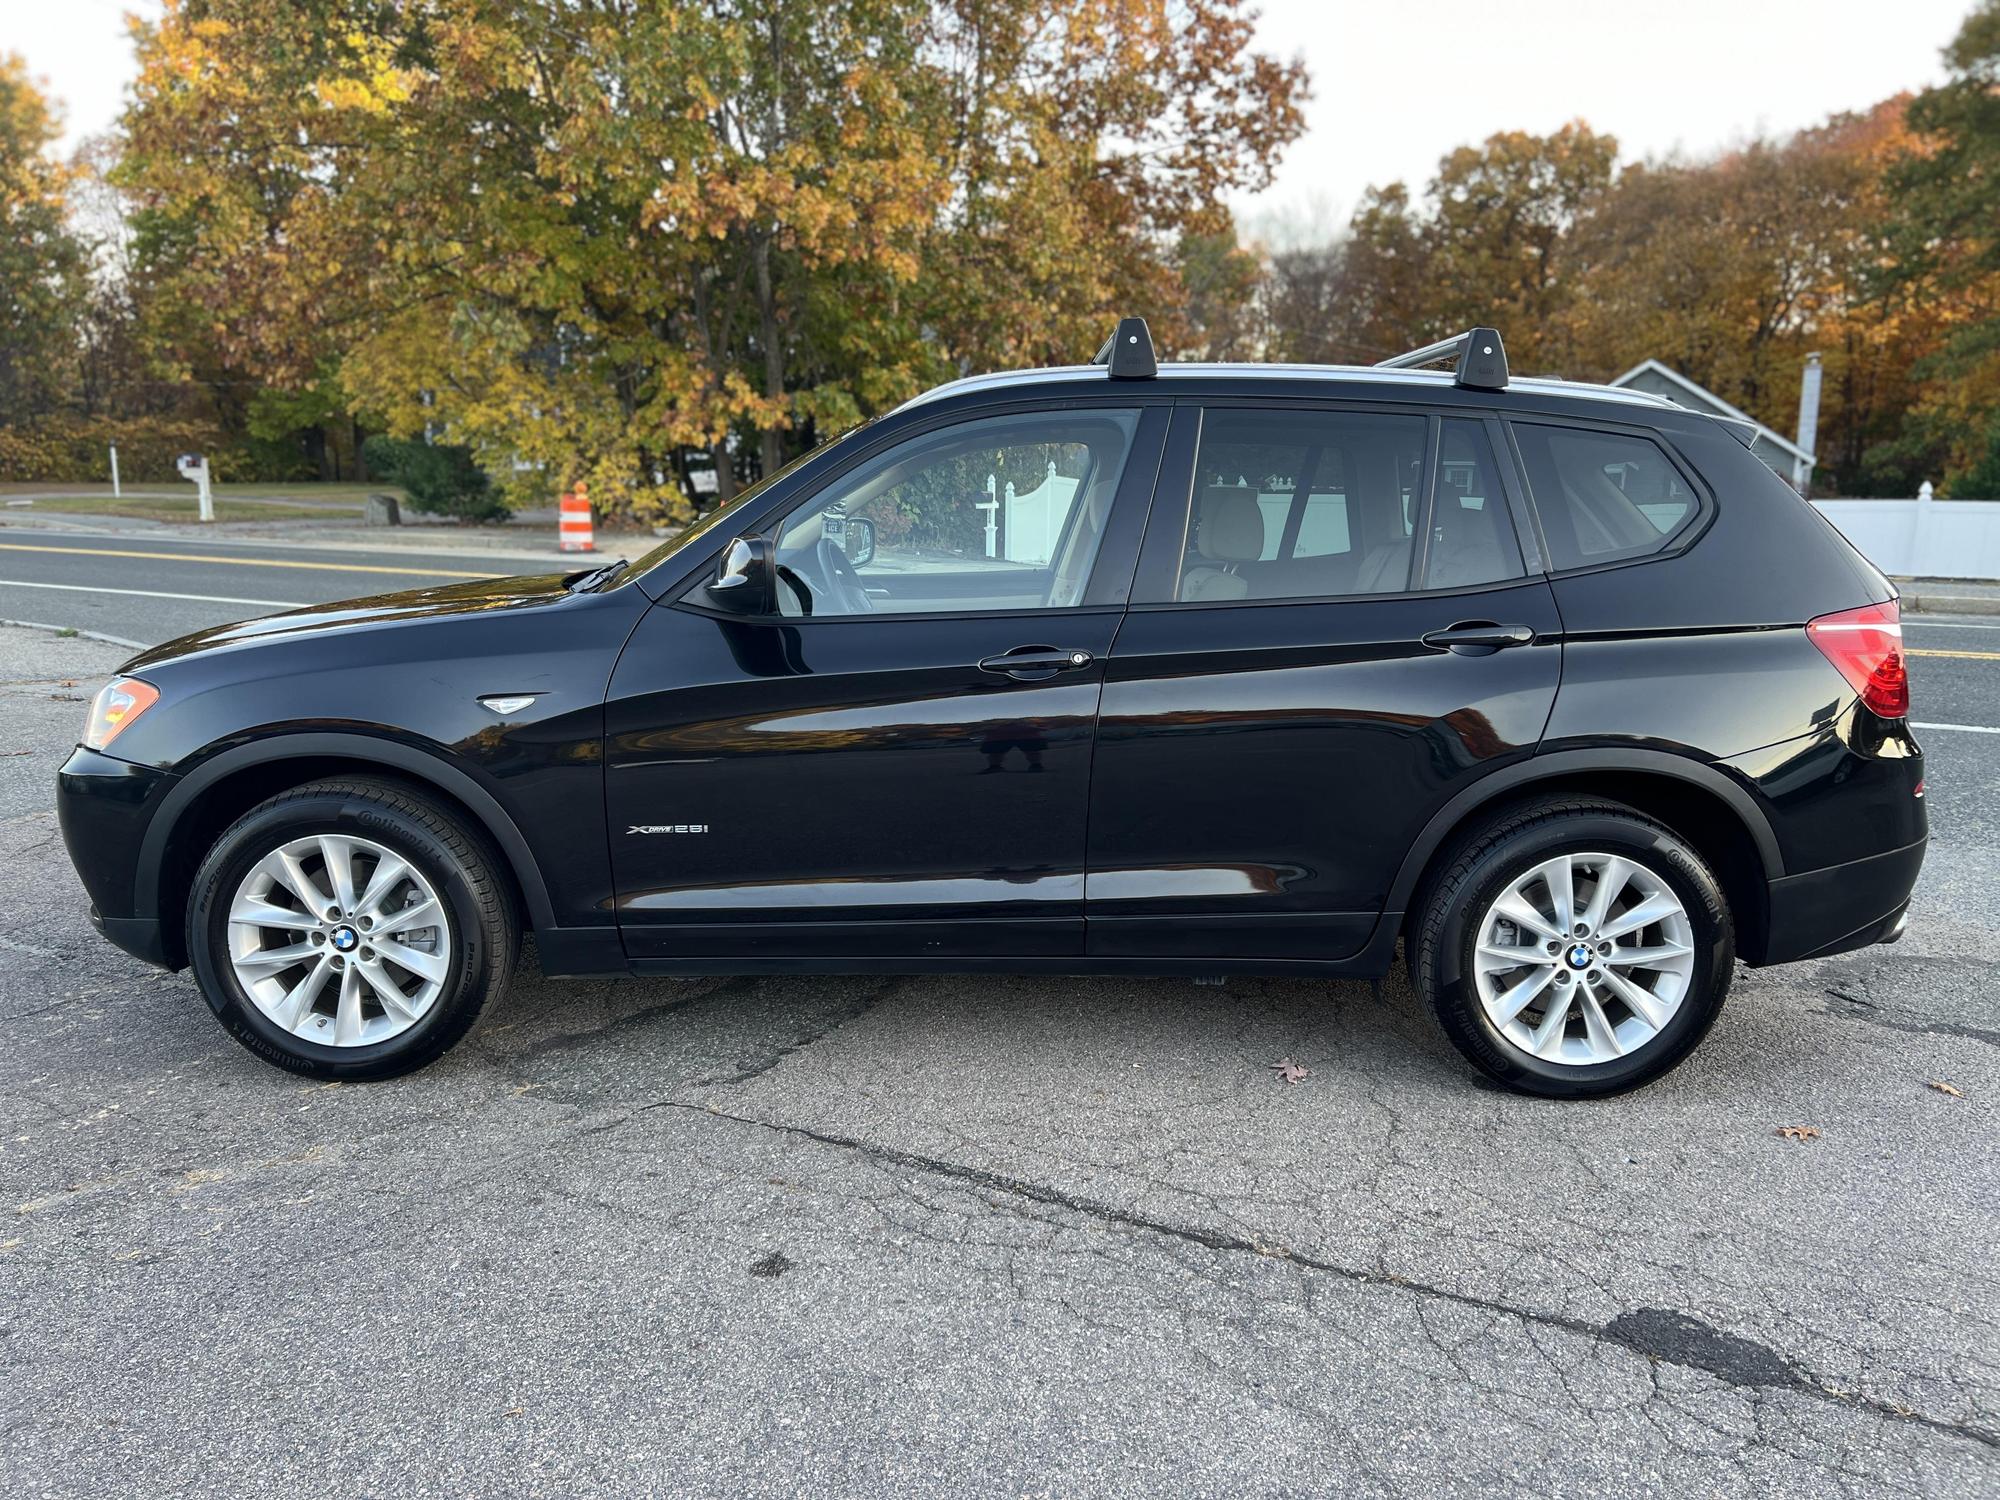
[{"x": 999, "y": 1235}]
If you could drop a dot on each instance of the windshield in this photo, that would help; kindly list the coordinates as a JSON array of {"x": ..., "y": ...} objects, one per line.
[{"x": 714, "y": 520}]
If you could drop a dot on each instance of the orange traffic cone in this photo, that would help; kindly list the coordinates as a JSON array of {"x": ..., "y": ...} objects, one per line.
[{"x": 573, "y": 532}]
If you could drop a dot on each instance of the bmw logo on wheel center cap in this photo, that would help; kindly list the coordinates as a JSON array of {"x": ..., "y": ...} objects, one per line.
[
  {"x": 345, "y": 939},
  {"x": 1579, "y": 955}
]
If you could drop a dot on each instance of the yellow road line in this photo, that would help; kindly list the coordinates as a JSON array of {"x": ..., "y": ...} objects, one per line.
[
  {"x": 244, "y": 562},
  {"x": 1967, "y": 655}
]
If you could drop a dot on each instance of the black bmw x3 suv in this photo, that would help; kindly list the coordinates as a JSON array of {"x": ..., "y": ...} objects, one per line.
[{"x": 1181, "y": 669}]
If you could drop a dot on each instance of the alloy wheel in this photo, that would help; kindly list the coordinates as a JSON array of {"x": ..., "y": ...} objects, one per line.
[
  {"x": 1584, "y": 958},
  {"x": 339, "y": 941}
]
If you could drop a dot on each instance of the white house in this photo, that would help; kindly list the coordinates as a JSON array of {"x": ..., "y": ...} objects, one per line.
[{"x": 1783, "y": 456}]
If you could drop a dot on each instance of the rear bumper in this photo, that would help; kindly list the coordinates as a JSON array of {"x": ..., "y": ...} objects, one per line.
[
  {"x": 1844, "y": 906},
  {"x": 142, "y": 937},
  {"x": 105, "y": 806}
]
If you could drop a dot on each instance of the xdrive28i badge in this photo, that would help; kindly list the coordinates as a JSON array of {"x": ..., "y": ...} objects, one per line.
[{"x": 666, "y": 828}]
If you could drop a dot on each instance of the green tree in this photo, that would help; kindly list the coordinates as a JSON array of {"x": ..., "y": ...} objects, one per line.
[
  {"x": 1941, "y": 247},
  {"x": 1219, "y": 281},
  {"x": 43, "y": 265},
  {"x": 442, "y": 478}
]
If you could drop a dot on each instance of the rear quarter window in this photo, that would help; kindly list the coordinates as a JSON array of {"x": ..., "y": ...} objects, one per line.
[{"x": 1603, "y": 496}]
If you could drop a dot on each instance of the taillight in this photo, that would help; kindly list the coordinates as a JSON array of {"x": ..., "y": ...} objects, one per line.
[
  {"x": 1866, "y": 645},
  {"x": 118, "y": 703}
]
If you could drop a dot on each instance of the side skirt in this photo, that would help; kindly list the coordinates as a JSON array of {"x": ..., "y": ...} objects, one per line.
[{"x": 599, "y": 950}]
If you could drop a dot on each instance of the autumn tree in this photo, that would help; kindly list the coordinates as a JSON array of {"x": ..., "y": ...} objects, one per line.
[
  {"x": 1090, "y": 143},
  {"x": 1359, "y": 298},
  {"x": 1502, "y": 240},
  {"x": 594, "y": 235},
  {"x": 567, "y": 234},
  {"x": 43, "y": 264},
  {"x": 1730, "y": 271},
  {"x": 1941, "y": 244},
  {"x": 1492, "y": 240}
]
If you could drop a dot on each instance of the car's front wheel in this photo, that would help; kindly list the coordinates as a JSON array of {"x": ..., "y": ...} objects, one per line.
[
  {"x": 1574, "y": 948},
  {"x": 350, "y": 929}
]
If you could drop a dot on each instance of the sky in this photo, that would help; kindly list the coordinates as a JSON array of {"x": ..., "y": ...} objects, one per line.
[{"x": 1397, "y": 83}]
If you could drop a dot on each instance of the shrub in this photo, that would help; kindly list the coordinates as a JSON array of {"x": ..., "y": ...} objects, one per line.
[
  {"x": 72, "y": 450},
  {"x": 442, "y": 478},
  {"x": 1981, "y": 479}
]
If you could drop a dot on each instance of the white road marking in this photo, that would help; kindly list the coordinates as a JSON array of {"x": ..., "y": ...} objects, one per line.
[
  {"x": 1962, "y": 728},
  {"x": 1945, "y": 625},
  {"x": 81, "y": 588},
  {"x": 88, "y": 635}
]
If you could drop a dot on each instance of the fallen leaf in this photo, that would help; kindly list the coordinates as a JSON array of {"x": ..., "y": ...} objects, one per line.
[
  {"x": 1289, "y": 1071},
  {"x": 67, "y": 682},
  {"x": 1799, "y": 1132},
  {"x": 1948, "y": 1088},
  {"x": 514, "y": 1411}
]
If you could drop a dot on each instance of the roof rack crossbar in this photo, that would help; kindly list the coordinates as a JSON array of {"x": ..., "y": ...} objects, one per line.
[
  {"x": 1482, "y": 358},
  {"x": 1129, "y": 351}
]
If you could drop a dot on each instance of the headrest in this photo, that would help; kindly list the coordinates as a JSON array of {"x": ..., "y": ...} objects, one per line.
[{"x": 1232, "y": 524}]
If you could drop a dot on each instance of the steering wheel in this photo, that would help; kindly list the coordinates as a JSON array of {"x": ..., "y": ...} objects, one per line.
[{"x": 839, "y": 579}]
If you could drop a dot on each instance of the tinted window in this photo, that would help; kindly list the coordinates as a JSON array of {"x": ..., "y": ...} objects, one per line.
[
  {"x": 1471, "y": 535},
  {"x": 1002, "y": 513},
  {"x": 1301, "y": 504},
  {"x": 1602, "y": 496}
]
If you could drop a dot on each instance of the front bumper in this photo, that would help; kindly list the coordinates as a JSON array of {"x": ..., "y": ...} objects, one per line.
[{"x": 105, "y": 805}]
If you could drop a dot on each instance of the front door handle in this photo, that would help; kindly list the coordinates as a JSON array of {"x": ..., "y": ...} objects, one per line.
[
  {"x": 1034, "y": 663},
  {"x": 1478, "y": 637}
]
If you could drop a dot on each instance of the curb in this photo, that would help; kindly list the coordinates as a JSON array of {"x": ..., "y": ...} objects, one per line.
[
  {"x": 1951, "y": 604},
  {"x": 87, "y": 635}
]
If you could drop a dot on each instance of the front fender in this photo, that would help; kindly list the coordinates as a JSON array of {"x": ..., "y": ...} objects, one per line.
[{"x": 432, "y": 767}]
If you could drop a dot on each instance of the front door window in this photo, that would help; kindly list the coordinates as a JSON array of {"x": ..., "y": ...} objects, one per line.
[{"x": 1004, "y": 513}]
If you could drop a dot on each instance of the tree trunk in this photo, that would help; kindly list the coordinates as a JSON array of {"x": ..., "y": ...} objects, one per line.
[
  {"x": 316, "y": 447},
  {"x": 725, "y": 476},
  {"x": 360, "y": 463},
  {"x": 773, "y": 453}
]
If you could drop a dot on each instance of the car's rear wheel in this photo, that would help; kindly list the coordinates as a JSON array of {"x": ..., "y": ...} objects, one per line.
[
  {"x": 1574, "y": 948},
  {"x": 350, "y": 929}
]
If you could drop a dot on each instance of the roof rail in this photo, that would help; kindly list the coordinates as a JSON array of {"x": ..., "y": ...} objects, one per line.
[
  {"x": 1129, "y": 351},
  {"x": 1482, "y": 358}
]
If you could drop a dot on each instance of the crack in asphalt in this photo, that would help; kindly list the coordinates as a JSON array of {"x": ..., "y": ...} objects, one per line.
[
  {"x": 853, "y": 1011},
  {"x": 1868, "y": 1011},
  {"x": 1658, "y": 1334}
]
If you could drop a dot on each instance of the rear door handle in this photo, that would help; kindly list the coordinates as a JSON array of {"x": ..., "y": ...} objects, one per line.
[
  {"x": 1033, "y": 663},
  {"x": 1478, "y": 637}
]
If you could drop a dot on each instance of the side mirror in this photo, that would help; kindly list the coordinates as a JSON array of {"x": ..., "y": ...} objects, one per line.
[
  {"x": 859, "y": 541},
  {"x": 746, "y": 579}
]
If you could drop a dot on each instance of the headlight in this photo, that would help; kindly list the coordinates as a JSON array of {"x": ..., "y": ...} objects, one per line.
[{"x": 118, "y": 703}]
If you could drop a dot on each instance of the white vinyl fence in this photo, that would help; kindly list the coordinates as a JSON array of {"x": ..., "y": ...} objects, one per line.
[
  {"x": 1034, "y": 521},
  {"x": 1922, "y": 538}
]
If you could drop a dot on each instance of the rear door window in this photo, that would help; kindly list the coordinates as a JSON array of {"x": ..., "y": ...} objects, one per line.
[
  {"x": 1300, "y": 504},
  {"x": 1471, "y": 534},
  {"x": 1603, "y": 496}
]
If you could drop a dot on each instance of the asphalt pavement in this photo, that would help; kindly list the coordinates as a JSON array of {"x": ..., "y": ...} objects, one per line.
[
  {"x": 1021, "y": 1236},
  {"x": 138, "y": 586}
]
